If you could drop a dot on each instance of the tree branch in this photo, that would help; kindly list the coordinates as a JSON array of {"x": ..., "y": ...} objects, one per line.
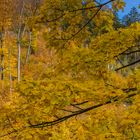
[
  {"x": 86, "y": 8},
  {"x": 85, "y": 24},
  {"x": 125, "y": 52},
  {"x": 45, "y": 124},
  {"x": 133, "y": 63},
  {"x": 57, "y": 121},
  {"x": 92, "y": 7},
  {"x": 80, "y": 103},
  {"x": 128, "y": 53},
  {"x": 120, "y": 61}
]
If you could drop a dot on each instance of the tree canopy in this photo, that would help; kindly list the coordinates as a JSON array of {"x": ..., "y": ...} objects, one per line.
[{"x": 69, "y": 71}]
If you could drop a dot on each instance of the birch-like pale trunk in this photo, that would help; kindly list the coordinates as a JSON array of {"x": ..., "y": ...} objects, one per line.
[{"x": 19, "y": 44}]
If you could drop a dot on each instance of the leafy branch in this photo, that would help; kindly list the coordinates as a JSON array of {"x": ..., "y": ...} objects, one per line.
[
  {"x": 99, "y": 6},
  {"x": 74, "y": 113},
  {"x": 81, "y": 111},
  {"x": 92, "y": 7}
]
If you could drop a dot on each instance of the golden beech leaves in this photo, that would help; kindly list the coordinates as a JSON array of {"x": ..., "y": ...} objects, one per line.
[{"x": 78, "y": 81}]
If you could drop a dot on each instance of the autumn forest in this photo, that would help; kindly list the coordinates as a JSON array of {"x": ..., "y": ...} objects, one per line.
[{"x": 69, "y": 70}]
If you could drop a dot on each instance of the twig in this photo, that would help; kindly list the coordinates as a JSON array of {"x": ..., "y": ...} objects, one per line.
[
  {"x": 76, "y": 106},
  {"x": 120, "y": 61},
  {"x": 81, "y": 103},
  {"x": 130, "y": 64}
]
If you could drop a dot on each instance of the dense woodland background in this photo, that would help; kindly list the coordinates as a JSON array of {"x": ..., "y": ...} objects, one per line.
[{"x": 69, "y": 70}]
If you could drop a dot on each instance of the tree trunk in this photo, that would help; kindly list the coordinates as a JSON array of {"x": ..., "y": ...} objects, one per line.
[
  {"x": 9, "y": 67},
  {"x": 19, "y": 55},
  {"x": 29, "y": 48},
  {"x": 2, "y": 54},
  {"x": 19, "y": 43}
]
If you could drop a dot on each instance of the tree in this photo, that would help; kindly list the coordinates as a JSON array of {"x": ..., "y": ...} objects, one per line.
[
  {"x": 25, "y": 12},
  {"x": 32, "y": 8},
  {"x": 70, "y": 93},
  {"x": 117, "y": 21},
  {"x": 132, "y": 17},
  {"x": 5, "y": 20}
]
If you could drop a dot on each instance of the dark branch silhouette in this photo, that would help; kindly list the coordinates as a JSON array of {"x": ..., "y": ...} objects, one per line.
[
  {"x": 80, "y": 103},
  {"x": 75, "y": 10},
  {"x": 130, "y": 64},
  {"x": 92, "y": 7},
  {"x": 131, "y": 52},
  {"x": 86, "y": 8},
  {"x": 85, "y": 24},
  {"x": 125, "y": 52},
  {"x": 120, "y": 61},
  {"x": 73, "y": 35},
  {"x": 45, "y": 124},
  {"x": 94, "y": 15},
  {"x": 75, "y": 113}
]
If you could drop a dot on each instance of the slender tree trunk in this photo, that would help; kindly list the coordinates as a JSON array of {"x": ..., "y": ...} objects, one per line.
[
  {"x": 2, "y": 54},
  {"x": 19, "y": 55},
  {"x": 19, "y": 43},
  {"x": 9, "y": 67},
  {"x": 29, "y": 48}
]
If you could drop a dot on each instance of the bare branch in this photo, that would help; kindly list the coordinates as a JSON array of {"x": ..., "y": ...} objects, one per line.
[
  {"x": 131, "y": 52},
  {"x": 130, "y": 64},
  {"x": 120, "y": 61},
  {"x": 76, "y": 106}
]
